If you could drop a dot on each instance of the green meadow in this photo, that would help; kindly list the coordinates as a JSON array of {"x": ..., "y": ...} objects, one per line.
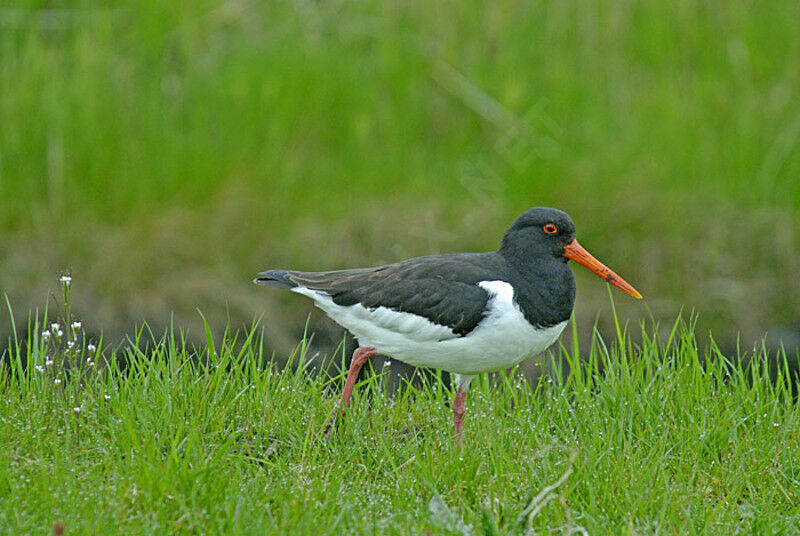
[
  {"x": 652, "y": 438},
  {"x": 164, "y": 153}
]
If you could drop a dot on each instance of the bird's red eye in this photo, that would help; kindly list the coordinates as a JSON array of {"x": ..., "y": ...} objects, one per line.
[{"x": 550, "y": 228}]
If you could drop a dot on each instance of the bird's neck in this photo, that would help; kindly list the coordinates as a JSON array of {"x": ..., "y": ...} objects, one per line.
[{"x": 545, "y": 291}]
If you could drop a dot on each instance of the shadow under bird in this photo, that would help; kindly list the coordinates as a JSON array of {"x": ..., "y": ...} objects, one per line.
[{"x": 465, "y": 313}]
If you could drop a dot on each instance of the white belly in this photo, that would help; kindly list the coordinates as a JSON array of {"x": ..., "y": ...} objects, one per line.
[{"x": 502, "y": 339}]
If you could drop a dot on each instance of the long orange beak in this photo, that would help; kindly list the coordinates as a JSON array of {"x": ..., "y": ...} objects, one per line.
[{"x": 575, "y": 251}]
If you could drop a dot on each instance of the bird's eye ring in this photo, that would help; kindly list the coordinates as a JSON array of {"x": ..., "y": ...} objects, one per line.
[{"x": 550, "y": 228}]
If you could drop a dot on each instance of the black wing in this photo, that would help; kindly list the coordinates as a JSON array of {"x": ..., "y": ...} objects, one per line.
[{"x": 443, "y": 288}]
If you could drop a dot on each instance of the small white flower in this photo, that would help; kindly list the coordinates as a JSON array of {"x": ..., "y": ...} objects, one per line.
[
  {"x": 39, "y": 368},
  {"x": 76, "y": 409},
  {"x": 92, "y": 348},
  {"x": 90, "y": 362},
  {"x": 48, "y": 362},
  {"x": 65, "y": 280},
  {"x": 57, "y": 381},
  {"x": 70, "y": 344},
  {"x": 54, "y": 327},
  {"x": 387, "y": 364},
  {"x": 45, "y": 335},
  {"x": 107, "y": 397},
  {"x": 60, "y": 333},
  {"x": 76, "y": 325}
]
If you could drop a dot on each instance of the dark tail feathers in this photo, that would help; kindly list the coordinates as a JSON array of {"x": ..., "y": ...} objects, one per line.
[{"x": 275, "y": 278}]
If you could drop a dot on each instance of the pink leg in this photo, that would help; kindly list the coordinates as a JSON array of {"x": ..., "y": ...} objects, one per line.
[
  {"x": 459, "y": 409},
  {"x": 360, "y": 356}
]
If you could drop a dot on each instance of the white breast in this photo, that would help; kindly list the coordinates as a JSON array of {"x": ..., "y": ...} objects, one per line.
[{"x": 502, "y": 339}]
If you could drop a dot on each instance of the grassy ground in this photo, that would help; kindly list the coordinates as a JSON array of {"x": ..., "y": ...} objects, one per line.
[
  {"x": 659, "y": 438},
  {"x": 167, "y": 154}
]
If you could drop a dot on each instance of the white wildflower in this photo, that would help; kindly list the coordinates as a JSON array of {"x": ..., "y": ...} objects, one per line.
[
  {"x": 48, "y": 362},
  {"x": 92, "y": 348},
  {"x": 70, "y": 344},
  {"x": 65, "y": 280},
  {"x": 45, "y": 335},
  {"x": 55, "y": 326},
  {"x": 76, "y": 409},
  {"x": 57, "y": 381},
  {"x": 39, "y": 368},
  {"x": 76, "y": 325},
  {"x": 107, "y": 397}
]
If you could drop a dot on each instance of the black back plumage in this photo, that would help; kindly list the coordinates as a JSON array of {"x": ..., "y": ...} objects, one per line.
[{"x": 444, "y": 288}]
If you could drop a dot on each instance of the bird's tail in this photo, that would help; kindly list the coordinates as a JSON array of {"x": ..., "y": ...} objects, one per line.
[{"x": 275, "y": 278}]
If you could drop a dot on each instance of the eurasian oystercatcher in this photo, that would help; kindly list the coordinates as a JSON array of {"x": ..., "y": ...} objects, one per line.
[{"x": 465, "y": 313}]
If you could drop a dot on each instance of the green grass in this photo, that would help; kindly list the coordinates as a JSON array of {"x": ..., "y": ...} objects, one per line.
[
  {"x": 661, "y": 437},
  {"x": 167, "y": 153},
  {"x": 218, "y": 138}
]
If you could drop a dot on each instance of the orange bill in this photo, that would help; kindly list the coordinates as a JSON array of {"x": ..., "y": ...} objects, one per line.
[{"x": 575, "y": 252}]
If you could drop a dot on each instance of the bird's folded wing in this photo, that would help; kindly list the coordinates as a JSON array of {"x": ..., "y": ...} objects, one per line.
[{"x": 436, "y": 297}]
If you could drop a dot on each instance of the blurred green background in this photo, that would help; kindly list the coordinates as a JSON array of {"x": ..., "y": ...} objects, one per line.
[{"x": 167, "y": 152}]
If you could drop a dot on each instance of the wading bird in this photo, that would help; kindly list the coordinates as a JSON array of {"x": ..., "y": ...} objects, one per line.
[{"x": 465, "y": 313}]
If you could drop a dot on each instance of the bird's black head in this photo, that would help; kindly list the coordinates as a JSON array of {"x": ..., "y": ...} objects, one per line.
[
  {"x": 539, "y": 233},
  {"x": 542, "y": 236}
]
